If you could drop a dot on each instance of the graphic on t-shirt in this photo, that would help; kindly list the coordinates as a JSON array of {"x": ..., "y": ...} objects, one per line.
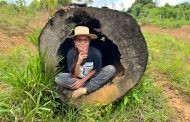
[{"x": 85, "y": 69}]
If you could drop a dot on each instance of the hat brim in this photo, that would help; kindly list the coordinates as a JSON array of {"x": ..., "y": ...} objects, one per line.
[{"x": 92, "y": 36}]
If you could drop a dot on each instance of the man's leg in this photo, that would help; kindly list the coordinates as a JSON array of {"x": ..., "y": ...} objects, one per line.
[
  {"x": 64, "y": 80},
  {"x": 100, "y": 78},
  {"x": 96, "y": 82}
]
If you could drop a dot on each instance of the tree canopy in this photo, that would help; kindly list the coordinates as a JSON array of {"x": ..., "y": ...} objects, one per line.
[{"x": 149, "y": 8}]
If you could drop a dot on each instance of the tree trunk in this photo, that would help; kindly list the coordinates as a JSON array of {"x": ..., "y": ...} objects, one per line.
[{"x": 120, "y": 41}]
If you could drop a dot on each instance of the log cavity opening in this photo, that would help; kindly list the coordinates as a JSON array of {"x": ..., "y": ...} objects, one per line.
[{"x": 109, "y": 50}]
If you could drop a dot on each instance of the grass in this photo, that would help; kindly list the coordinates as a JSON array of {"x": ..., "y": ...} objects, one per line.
[
  {"x": 29, "y": 85},
  {"x": 32, "y": 96},
  {"x": 144, "y": 103},
  {"x": 9, "y": 15},
  {"x": 171, "y": 58},
  {"x": 17, "y": 20},
  {"x": 165, "y": 17},
  {"x": 164, "y": 23}
]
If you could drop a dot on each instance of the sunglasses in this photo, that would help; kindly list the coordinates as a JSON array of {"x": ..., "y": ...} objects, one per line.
[{"x": 85, "y": 40}]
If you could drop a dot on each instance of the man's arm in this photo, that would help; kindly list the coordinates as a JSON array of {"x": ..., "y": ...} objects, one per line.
[
  {"x": 79, "y": 82},
  {"x": 89, "y": 75},
  {"x": 81, "y": 57},
  {"x": 77, "y": 69},
  {"x": 70, "y": 63}
]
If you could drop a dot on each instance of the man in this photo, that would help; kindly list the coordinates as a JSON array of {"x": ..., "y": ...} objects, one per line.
[{"x": 85, "y": 65}]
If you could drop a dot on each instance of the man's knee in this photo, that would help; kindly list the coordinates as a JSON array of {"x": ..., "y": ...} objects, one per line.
[
  {"x": 58, "y": 80},
  {"x": 61, "y": 77},
  {"x": 110, "y": 68}
]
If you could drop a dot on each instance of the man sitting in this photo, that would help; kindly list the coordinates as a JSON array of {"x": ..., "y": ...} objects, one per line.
[{"x": 86, "y": 73}]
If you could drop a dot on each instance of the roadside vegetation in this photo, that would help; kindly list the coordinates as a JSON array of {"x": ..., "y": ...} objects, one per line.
[
  {"x": 170, "y": 57},
  {"x": 29, "y": 92},
  {"x": 32, "y": 96},
  {"x": 148, "y": 11}
]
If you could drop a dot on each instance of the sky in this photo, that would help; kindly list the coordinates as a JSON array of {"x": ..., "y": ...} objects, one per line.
[{"x": 120, "y": 4}]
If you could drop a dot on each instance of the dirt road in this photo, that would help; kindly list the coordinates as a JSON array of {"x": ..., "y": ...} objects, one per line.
[{"x": 182, "y": 33}]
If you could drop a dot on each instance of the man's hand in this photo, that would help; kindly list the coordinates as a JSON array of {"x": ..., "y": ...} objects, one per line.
[
  {"x": 77, "y": 84},
  {"x": 82, "y": 56}
]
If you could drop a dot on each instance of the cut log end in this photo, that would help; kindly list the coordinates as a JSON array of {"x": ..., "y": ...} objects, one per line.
[{"x": 119, "y": 39}]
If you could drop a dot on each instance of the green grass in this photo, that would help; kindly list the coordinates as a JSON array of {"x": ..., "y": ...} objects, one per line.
[
  {"x": 32, "y": 96},
  {"x": 17, "y": 20},
  {"x": 171, "y": 58},
  {"x": 164, "y": 23},
  {"x": 171, "y": 23},
  {"x": 9, "y": 17},
  {"x": 144, "y": 103},
  {"x": 166, "y": 16},
  {"x": 31, "y": 92}
]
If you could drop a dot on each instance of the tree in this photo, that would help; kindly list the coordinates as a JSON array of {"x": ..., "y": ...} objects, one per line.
[
  {"x": 3, "y": 3},
  {"x": 85, "y": 1},
  {"x": 20, "y": 3},
  {"x": 35, "y": 4},
  {"x": 64, "y": 2},
  {"x": 140, "y": 4},
  {"x": 137, "y": 9},
  {"x": 49, "y": 4}
]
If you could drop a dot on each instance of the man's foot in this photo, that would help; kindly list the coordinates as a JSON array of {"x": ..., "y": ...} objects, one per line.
[
  {"x": 77, "y": 93},
  {"x": 67, "y": 92}
]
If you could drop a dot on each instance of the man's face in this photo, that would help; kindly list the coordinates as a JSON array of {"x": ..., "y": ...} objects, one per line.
[{"x": 82, "y": 43}]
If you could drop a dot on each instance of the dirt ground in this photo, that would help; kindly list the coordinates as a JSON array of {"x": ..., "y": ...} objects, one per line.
[
  {"x": 9, "y": 39},
  {"x": 182, "y": 33},
  {"x": 176, "y": 101},
  {"x": 8, "y": 42}
]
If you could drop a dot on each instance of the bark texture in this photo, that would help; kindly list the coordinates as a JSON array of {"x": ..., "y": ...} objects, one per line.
[{"x": 119, "y": 39}]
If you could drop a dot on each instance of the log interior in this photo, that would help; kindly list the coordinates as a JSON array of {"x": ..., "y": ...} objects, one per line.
[{"x": 109, "y": 50}]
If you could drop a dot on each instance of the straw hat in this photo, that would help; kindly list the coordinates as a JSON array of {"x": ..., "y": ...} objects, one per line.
[{"x": 84, "y": 31}]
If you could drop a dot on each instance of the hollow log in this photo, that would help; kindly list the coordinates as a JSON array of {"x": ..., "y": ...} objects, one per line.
[{"x": 120, "y": 41}]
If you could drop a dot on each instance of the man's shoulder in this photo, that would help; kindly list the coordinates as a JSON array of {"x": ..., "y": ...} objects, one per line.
[
  {"x": 70, "y": 51},
  {"x": 95, "y": 51}
]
